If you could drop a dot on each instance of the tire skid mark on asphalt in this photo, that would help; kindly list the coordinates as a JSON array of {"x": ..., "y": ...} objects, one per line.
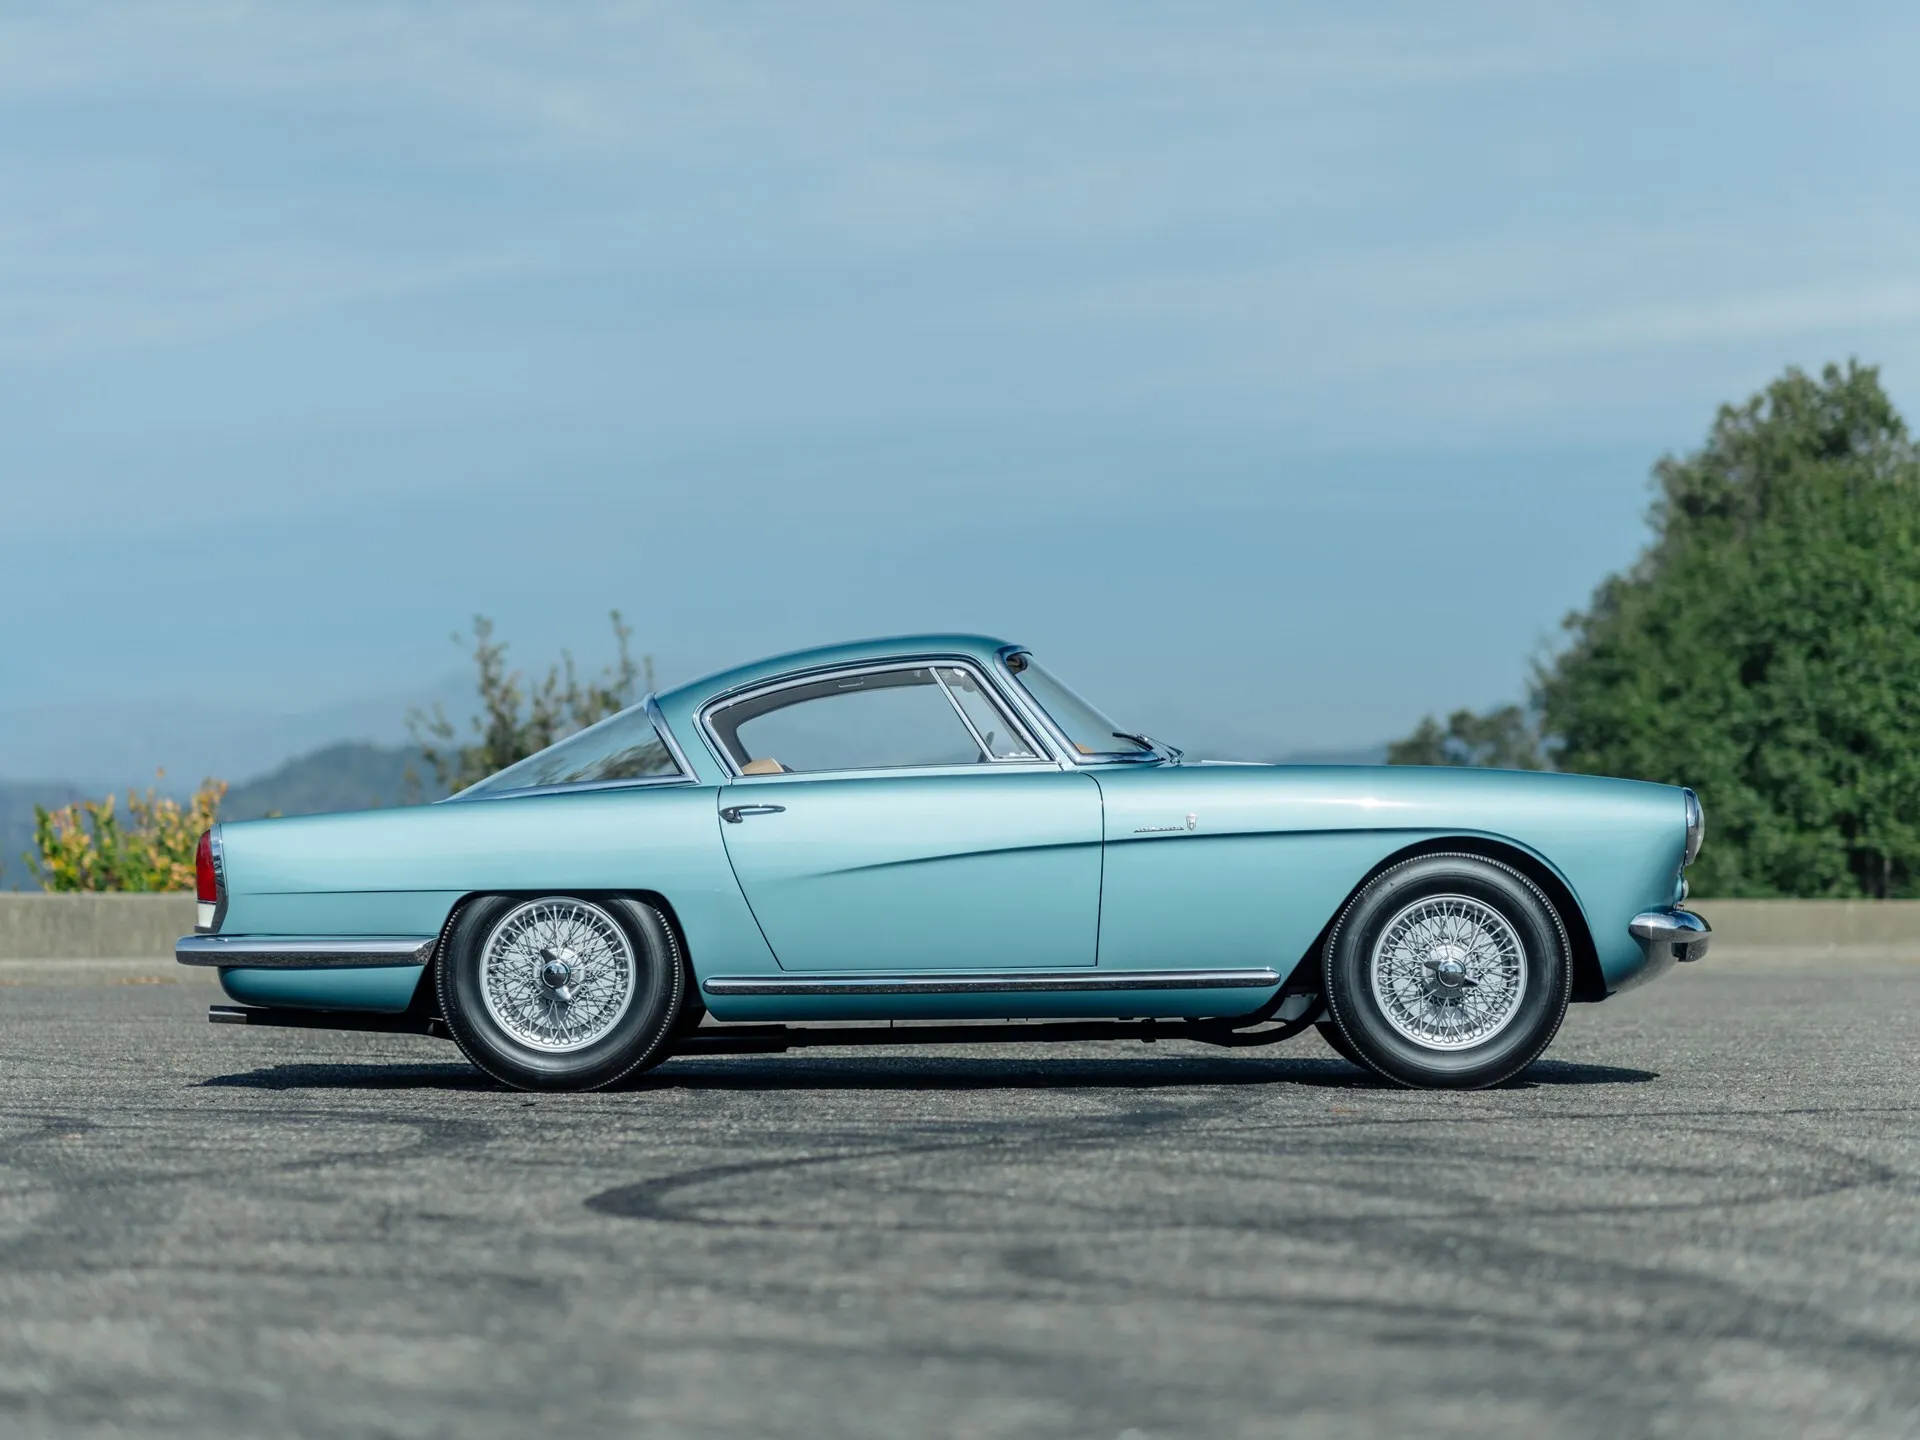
[
  {"x": 433, "y": 1136},
  {"x": 1682, "y": 1317},
  {"x": 126, "y": 1201},
  {"x": 1017, "y": 1143},
  {"x": 1489, "y": 1117},
  {"x": 1685, "y": 1309},
  {"x": 644, "y": 1200},
  {"x": 513, "y": 1288}
]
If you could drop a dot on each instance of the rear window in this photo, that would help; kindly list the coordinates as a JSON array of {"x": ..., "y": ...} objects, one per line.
[{"x": 622, "y": 747}]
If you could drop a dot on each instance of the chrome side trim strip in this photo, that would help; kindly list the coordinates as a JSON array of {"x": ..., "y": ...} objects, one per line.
[
  {"x": 306, "y": 952},
  {"x": 1685, "y": 931},
  {"x": 1006, "y": 983}
]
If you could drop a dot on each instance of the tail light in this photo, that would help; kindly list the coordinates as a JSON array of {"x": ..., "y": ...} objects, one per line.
[{"x": 209, "y": 887}]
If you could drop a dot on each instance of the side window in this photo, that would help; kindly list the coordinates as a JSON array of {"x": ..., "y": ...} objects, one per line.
[{"x": 883, "y": 719}]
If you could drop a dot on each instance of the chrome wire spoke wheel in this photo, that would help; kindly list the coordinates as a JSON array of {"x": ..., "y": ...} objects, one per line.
[
  {"x": 557, "y": 974},
  {"x": 1449, "y": 972}
]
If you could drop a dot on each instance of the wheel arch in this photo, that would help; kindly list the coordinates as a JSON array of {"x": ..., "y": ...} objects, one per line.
[
  {"x": 426, "y": 995},
  {"x": 1589, "y": 984}
]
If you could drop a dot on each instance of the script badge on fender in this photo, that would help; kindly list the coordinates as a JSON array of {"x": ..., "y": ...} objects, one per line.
[{"x": 1193, "y": 822}]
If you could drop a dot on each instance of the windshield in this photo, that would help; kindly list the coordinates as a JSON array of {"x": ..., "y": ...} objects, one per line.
[
  {"x": 1086, "y": 729},
  {"x": 622, "y": 747}
]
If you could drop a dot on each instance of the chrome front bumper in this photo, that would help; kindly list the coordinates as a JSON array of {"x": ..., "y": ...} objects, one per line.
[{"x": 1672, "y": 934}]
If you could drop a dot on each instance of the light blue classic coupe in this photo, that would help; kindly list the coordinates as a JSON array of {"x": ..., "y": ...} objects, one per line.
[{"x": 938, "y": 833}]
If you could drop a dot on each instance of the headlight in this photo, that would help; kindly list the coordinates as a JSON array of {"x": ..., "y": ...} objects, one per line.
[{"x": 1696, "y": 827}]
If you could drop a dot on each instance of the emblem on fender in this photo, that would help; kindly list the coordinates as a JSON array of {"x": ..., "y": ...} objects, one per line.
[{"x": 1193, "y": 822}]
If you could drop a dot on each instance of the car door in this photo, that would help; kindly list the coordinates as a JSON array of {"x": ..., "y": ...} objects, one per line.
[{"x": 896, "y": 817}]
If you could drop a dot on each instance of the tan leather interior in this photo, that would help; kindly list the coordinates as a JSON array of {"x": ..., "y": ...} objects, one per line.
[{"x": 765, "y": 766}]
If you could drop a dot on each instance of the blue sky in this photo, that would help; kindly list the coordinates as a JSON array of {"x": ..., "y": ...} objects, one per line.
[{"x": 1280, "y": 373}]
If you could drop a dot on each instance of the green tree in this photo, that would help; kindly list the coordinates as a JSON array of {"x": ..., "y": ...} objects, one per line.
[
  {"x": 517, "y": 718},
  {"x": 1501, "y": 739},
  {"x": 1765, "y": 648}
]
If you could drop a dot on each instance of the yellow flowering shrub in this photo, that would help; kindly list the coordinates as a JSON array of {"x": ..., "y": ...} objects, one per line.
[{"x": 88, "y": 846}]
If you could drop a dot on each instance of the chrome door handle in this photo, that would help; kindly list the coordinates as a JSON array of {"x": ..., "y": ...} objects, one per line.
[{"x": 734, "y": 814}]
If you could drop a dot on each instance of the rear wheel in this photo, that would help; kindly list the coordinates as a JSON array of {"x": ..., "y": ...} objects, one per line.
[
  {"x": 560, "y": 992},
  {"x": 1448, "y": 971}
]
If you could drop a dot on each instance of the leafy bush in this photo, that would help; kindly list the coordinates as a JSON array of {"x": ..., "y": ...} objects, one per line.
[{"x": 87, "y": 846}]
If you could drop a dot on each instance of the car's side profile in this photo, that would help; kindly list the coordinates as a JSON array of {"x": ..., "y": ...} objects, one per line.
[{"x": 935, "y": 829}]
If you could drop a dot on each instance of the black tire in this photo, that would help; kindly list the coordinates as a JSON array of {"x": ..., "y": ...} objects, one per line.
[
  {"x": 636, "y": 1039},
  {"x": 1330, "y": 1033},
  {"x": 1404, "y": 1039}
]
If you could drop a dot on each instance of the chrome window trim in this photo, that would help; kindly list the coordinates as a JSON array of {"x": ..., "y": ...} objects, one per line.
[
  {"x": 986, "y": 750},
  {"x": 1054, "y": 733},
  {"x": 1042, "y": 751},
  {"x": 665, "y": 731},
  {"x": 305, "y": 952},
  {"x": 1090, "y": 979},
  {"x": 904, "y": 772},
  {"x": 1036, "y": 752}
]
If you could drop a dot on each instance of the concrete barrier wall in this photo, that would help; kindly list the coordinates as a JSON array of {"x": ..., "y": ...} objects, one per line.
[
  {"x": 61, "y": 927},
  {"x": 1864, "y": 929},
  {"x": 81, "y": 927}
]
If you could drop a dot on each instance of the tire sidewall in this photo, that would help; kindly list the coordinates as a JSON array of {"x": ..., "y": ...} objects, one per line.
[
  {"x": 638, "y": 1038},
  {"x": 1349, "y": 988},
  {"x": 1337, "y": 1041}
]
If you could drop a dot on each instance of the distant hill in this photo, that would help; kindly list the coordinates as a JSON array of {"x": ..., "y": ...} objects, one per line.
[{"x": 352, "y": 775}]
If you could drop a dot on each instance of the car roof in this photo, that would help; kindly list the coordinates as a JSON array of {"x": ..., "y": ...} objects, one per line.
[{"x": 982, "y": 648}]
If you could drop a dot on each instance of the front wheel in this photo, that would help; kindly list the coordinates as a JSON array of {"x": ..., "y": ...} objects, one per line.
[
  {"x": 1448, "y": 972},
  {"x": 560, "y": 992}
]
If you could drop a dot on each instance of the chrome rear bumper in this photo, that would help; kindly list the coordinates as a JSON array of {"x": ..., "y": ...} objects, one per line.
[
  {"x": 304, "y": 952},
  {"x": 1671, "y": 934}
]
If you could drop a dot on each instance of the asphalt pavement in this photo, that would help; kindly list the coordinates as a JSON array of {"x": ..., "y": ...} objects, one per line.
[{"x": 1700, "y": 1215}]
